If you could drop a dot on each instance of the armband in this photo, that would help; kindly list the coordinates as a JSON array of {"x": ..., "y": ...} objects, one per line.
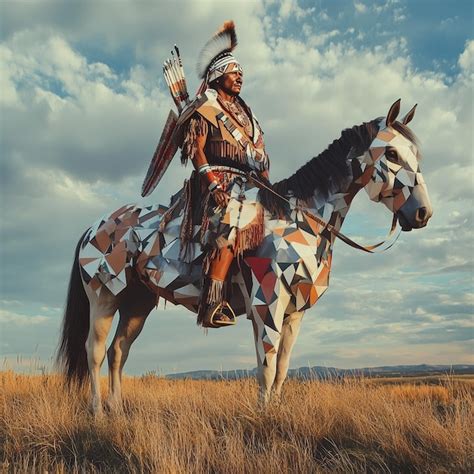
[{"x": 203, "y": 169}]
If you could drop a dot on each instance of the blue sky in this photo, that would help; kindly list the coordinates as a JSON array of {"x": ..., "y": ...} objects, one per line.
[
  {"x": 435, "y": 30},
  {"x": 82, "y": 106}
]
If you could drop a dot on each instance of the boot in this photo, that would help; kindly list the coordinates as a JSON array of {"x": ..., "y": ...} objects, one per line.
[{"x": 214, "y": 311}]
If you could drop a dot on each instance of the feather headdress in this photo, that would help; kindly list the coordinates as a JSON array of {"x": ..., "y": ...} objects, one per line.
[{"x": 224, "y": 41}]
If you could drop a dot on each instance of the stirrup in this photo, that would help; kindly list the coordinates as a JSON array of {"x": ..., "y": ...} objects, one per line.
[{"x": 223, "y": 308}]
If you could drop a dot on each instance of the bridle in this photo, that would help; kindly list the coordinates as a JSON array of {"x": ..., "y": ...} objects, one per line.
[{"x": 365, "y": 248}]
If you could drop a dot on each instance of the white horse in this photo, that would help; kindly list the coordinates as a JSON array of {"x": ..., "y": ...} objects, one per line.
[{"x": 123, "y": 262}]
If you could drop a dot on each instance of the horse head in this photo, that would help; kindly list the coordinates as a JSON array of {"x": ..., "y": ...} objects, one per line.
[{"x": 392, "y": 169}]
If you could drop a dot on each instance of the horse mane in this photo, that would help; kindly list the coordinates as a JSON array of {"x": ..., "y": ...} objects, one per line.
[{"x": 324, "y": 172}]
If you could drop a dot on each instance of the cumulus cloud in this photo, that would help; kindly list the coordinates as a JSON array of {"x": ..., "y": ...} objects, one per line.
[
  {"x": 9, "y": 317},
  {"x": 292, "y": 8},
  {"x": 75, "y": 100},
  {"x": 466, "y": 59},
  {"x": 360, "y": 7}
]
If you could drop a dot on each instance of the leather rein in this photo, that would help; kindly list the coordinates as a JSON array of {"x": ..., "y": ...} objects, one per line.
[{"x": 330, "y": 227}]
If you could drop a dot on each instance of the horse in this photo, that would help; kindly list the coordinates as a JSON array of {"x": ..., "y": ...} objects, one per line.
[{"x": 126, "y": 261}]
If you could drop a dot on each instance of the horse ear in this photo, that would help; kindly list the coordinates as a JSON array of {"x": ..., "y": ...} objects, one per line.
[
  {"x": 409, "y": 116},
  {"x": 393, "y": 112}
]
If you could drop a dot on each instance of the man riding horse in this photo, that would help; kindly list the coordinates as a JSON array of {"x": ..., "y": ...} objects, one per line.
[
  {"x": 224, "y": 142},
  {"x": 130, "y": 256}
]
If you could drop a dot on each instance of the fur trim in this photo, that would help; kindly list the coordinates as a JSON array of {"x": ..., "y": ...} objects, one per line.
[{"x": 223, "y": 41}]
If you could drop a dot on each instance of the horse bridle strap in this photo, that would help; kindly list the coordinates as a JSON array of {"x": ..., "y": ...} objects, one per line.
[{"x": 330, "y": 227}]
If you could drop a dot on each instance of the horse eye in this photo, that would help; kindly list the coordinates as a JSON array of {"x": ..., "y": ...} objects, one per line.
[{"x": 391, "y": 154}]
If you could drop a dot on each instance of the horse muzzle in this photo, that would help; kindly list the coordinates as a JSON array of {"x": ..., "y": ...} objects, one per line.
[{"x": 416, "y": 211}]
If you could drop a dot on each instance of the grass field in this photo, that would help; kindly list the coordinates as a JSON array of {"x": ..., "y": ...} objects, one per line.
[{"x": 215, "y": 426}]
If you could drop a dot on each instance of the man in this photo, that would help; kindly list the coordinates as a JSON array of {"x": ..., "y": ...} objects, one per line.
[{"x": 224, "y": 142}]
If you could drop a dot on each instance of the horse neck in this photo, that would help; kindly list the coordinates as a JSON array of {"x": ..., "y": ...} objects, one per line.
[{"x": 334, "y": 206}]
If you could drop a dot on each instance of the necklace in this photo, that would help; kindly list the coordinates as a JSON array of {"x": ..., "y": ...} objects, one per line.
[{"x": 240, "y": 115}]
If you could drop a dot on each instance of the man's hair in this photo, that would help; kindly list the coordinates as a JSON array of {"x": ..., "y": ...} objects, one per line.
[{"x": 214, "y": 84}]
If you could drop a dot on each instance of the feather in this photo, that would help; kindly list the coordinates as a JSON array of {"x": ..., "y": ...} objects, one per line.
[{"x": 224, "y": 40}]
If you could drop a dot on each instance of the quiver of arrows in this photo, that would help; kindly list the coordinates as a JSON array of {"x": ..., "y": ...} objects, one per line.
[{"x": 174, "y": 77}]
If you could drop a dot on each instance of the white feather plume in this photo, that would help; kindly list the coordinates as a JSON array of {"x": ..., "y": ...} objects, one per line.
[{"x": 225, "y": 40}]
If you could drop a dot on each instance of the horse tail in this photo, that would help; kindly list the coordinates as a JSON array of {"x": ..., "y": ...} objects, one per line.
[{"x": 72, "y": 356}]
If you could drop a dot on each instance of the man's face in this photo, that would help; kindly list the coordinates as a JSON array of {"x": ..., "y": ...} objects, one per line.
[{"x": 231, "y": 83}]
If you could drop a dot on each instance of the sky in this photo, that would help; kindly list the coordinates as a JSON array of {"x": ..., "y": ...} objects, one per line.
[{"x": 83, "y": 103}]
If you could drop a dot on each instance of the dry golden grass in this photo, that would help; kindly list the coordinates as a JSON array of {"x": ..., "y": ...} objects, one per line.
[{"x": 201, "y": 426}]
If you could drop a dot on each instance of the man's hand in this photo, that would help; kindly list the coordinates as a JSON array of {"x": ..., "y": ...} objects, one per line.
[{"x": 221, "y": 197}]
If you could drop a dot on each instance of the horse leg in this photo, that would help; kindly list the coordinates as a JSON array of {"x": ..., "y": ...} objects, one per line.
[
  {"x": 102, "y": 310},
  {"x": 136, "y": 305},
  {"x": 267, "y": 341},
  {"x": 289, "y": 334}
]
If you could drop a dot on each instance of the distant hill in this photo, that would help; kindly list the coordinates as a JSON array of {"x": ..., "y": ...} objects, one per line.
[{"x": 318, "y": 372}]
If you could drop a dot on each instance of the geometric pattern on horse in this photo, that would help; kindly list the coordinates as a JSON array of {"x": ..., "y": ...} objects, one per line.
[
  {"x": 298, "y": 254},
  {"x": 290, "y": 271},
  {"x": 110, "y": 246},
  {"x": 129, "y": 237},
  {"x": 403, "y": 175},
  {"x": 287, "y": 273}
]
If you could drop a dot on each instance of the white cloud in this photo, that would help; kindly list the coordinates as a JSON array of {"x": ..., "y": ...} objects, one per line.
[
  {"x": 360, "y": 7},
  {"x": 292, "y": 8},
  {"x": 18, "y": 319},
  {"x": 323, "y": 15},
  {"x": 81, "y": 106},
  {"x": 466, "y": 59}
]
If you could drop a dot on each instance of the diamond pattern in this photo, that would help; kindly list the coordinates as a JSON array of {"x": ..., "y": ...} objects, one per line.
[{"x": 288, "y": 272}]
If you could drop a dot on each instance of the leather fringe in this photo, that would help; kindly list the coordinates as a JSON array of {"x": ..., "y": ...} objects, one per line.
[
  {"x": 170, "y": 213},
  {"x": 187, "y": 227},
  {"x": 203, "y": 306},
  {"x": 216, "y": 292},
  {"x": 223, "y": 149},
  {"x": 212, "y": 292},
  {"x": 205, "y": 216},
  {"x": 210, "y": 256},
  {"x": 252, "y": 236},
  {"x": 197, "y": 127}
]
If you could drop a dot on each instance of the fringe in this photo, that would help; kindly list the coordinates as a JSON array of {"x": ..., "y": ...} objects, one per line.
[
  {"x": 205, "y": 217},
  {"x": 197, "y": 127},
  {"x": 207, "y": 202},
  {"x": 252, "y": 236},
  {"x": 170, "y": 213},
  {"x": 210, "y": 256},
  {"x": 238, "y": 239},
  {"x": 223, "y": 149},
  {"x": 186, "y": 230},
  {"x": 216, "y": 291},
  {"x": 222, "y": 242},
  {"x": 212, "y": 292},
  {"x": 202, "y": 307}
]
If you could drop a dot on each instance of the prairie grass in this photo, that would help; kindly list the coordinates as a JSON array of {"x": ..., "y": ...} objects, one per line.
[{"x": 357, "y": 425}]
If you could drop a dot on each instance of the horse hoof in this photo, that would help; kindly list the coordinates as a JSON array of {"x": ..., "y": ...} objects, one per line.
[{"x": 96, "y": 411}]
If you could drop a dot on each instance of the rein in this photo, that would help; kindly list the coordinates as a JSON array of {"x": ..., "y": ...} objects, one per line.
[{"x": 330, "y": 227}]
